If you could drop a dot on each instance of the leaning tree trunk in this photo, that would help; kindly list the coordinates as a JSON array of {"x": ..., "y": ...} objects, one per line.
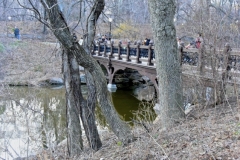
[
  {"x": 73, "y": 96},
  {"x": 167, "y": 61},
  {"x": 62, "y": 33},
  {"x": 88, "y": 109}
]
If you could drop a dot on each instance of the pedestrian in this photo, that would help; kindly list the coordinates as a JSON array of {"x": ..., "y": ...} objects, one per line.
[
  {"x": 146, "y": 41},
  {"x": 103, "y": 38},
  {"x": 17, "y": 33},
  {"x": 179, "y": 42},
  {"x": 198, "y": 41}
]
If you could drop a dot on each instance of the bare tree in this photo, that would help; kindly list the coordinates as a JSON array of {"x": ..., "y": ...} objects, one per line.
[
  {"x": 167, "y": 61},
  {"x": 61, "y": 30}
]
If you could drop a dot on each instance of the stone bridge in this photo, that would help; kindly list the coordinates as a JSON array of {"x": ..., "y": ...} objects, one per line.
[{"x": 197, "y": 64}]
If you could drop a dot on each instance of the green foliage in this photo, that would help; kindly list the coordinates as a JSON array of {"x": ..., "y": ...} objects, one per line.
[
  {"x": 19, "y": 44},
  {"x": 119, "y": 143},
  {"x": 38, "y": 68},
  {"x": 2, "y": 109},
  {"x": 1, "y": 47},
  {"x": 125, "y": 31}
]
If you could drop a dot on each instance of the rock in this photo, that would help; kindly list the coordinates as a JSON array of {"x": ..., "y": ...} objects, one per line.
[
  {"x": 146, "y": 93},
  {"x": 55, "y": 81},
  {"x": 157, "y": 109},
  {"x": 121, "y": 80},
  {"x": 135, "y": 82},
  {"x": 51, "y": 81},
  {"x": 135, "y": 76},
  {"x": 145, "y": 78}
]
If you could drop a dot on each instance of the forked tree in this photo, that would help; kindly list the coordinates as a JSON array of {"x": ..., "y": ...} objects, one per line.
[{"x": 75, "y": 55}]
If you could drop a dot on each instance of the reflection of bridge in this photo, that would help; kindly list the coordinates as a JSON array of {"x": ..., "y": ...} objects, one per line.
[{"x": 197, "y": 64}]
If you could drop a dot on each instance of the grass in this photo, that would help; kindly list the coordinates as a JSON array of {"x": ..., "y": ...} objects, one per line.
[
  {"x": 28, "y": 61},
  {"x": 2, "y": 48}
]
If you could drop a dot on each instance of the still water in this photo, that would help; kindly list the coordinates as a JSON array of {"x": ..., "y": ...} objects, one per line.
[{"x": 33, "y": 118}]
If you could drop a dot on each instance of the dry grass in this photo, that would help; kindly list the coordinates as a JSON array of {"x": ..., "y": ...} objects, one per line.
[
  {"x": 28, "y": 62},
  {"x": 212, "y": 133}
]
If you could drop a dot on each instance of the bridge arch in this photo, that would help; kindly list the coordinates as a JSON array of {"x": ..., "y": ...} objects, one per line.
[{"x": 112, "y": 69}]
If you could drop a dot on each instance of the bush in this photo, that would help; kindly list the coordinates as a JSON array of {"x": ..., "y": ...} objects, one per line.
[{"x": 125, "y": 31}]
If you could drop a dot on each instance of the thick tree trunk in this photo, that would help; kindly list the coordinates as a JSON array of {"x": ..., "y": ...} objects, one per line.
[
  {"x": 73, "y": 96},
  {"x": 76, "y": 103},
  {"x": 167, "y": 61},
  {"x": 62, "y": 33}
]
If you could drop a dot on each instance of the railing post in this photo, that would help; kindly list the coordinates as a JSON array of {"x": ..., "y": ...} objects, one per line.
[
  {"x": 111, "y": 49},
  {"x": 98, "y": 48},
  {"x": 128, "y": 52},
  {"x": 105, "y": 48},
  {"x": 119, "y": 50},
  {"x": 93, "y": 48},
  {"x": 138, "y": 52},
  {"x": 149, "y": 63},
  {"x": 180, "y": 54}
]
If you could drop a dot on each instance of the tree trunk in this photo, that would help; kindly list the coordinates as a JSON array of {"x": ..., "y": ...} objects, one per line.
[
  {"x": 62, "y": 33},
  {"x": 88, "y": 107},
  {"x": 167, "y": 61},
  {"x": 73, "y": 96},
  {"x": 79, "y": 105},
  {"x": 88, "y": 114}
]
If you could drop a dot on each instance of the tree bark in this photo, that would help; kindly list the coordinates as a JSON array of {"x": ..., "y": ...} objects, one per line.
[
  {"x": 76, "y": 103},
  {"x": 62, "y": 33},
  {"x": 73, "y": 96},
  {"x": 167, "y": 61}
]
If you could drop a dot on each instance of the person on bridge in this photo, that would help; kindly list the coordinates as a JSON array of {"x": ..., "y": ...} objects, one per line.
[
  {"x": 196, "y": 43},
  {"x": 180, "y": 42},
  {"x": 146, "y": 41},
  {"x": 103, "y": 38},
  {"x": 17, "y": 33}
]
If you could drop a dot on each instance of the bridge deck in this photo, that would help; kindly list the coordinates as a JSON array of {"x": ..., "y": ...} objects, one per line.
[{"x": 190, "y": 74}]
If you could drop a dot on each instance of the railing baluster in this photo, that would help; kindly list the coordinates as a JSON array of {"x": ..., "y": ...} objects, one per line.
[
  {"x": 98, "y": 54},
  {"x": 180, "y": 54},
  {"x": 119, "y": 50},
  {"x": 149, "y": 55},
  {"x": 138, "y": 52},
  {"x": 128, "y": 51},
  {"x": 105, "y": 48}
]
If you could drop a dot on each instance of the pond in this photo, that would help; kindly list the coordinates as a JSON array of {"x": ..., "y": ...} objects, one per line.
[{"x": 34, "y": 118}]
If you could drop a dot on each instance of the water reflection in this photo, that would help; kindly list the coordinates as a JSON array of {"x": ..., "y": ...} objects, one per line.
[
  {"x": 35, "y": 118},
  {"x": 30, "y": 120}
]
